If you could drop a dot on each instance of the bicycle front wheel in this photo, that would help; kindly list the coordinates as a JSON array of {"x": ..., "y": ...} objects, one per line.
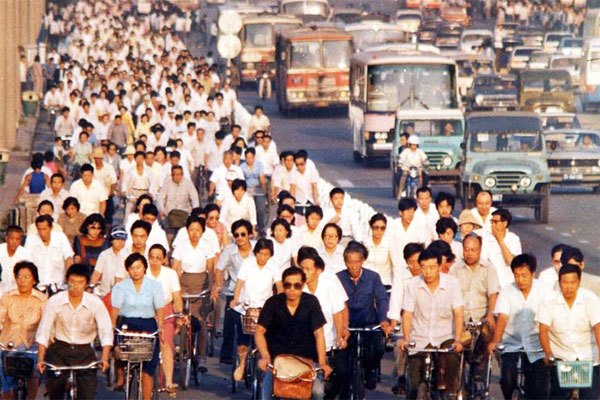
[
  {"x": 256, "y": 387},
  {"x": 358, "y": 381},
  {"x": 134, "y": 390},
  {"x": 183, "y": 361},
  {"x": 423, "y": 393},
  {"x": 250, "y": 371}
]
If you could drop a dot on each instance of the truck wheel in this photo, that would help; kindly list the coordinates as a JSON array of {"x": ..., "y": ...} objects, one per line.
[
  {"x": 357, "y": 157},
  {"x": 542, "y": 210}
]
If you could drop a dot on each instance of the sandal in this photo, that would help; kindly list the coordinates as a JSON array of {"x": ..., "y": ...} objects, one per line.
[{"x": 172, "y": 388}]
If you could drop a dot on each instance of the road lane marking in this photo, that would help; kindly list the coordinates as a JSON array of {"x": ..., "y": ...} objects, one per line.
[
  {"x": 583, "y": 241},
  {"x": 344, "y": 183},
  {"x": 565, "y": 234},
  {"x": 549, "y": 228}
]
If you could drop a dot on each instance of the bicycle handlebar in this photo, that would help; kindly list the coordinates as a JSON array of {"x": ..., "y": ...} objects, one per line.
[
  {"x": 188, "y": 296},
  {"x": 10, "y": 347},
  {"x": 370, "y": 329},
  {"x": 500, "y": 348},
  {"x": 136, "y": 334},
  {"x": 413, "y": 347},
  {"x": 53, "y": 367}
]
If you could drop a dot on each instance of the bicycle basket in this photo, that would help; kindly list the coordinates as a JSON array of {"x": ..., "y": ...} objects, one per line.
[
  {"x": 17, "y": 365},
  {"x": 250, "y": 320},
  {"x": 136, "y": 348},
  {"x": 574, "y": 374}
]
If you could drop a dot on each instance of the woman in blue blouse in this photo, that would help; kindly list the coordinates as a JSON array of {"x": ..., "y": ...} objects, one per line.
[{"x": 138, "y": 303}]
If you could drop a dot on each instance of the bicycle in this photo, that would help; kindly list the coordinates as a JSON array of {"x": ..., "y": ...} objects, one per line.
[
  {"x": 251, "y": 371},
  {"x": 50, "y": 289},
  {"x": 519, "y": 391},
  {"x": 71, "y": 370},
  {"x": 17, "y": 365},
  {"x": 574, "y": 375},
  {"x": 427, "y": 387},
  {"x": 357, "y": 372},
  {"x": 476, "y": 388},
  {"x": 135, "y": 349}
]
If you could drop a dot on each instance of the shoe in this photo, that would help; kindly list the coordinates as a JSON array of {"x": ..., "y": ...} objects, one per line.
[
  {"x": 371, "y": 381},
  {"x": 218, "y": 334},
  {"x": 400, "y": 387},
  {"x": 226, "y": 361},
  {"x": 202, "y": 365},
  {"x": 238, "y": 374}
]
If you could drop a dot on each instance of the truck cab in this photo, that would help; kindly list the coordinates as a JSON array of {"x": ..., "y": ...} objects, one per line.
[{"x": 505, "y": 153}]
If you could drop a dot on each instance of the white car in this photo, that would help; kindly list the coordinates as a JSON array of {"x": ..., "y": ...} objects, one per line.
[
  {"x": 569, "y": 63},
  {"x": 539, "y": 60},
  {"x": 571, "y": 46},
  {"x": 472, "y": 39},
  {"x": 552, "y": 40},
  {"x": 520, "y": 57}
]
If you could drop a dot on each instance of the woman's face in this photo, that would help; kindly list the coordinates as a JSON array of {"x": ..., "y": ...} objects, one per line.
[
  {"x": 94, "y": 230},
  {"x": 280, "y": 233},
  {"x": 331, "y": 238},
  {"x": 447, "y": 236},
  {"x": 195, "y": 232},
  {"x": 25, "y": 280},
  {"x": 137, "y": 271},
  {"x": 212, "y": 219},
  {"x": 313, "y": 221},
  {"x": 71, "y": 211},
  {"x": 288, "y": 216}
]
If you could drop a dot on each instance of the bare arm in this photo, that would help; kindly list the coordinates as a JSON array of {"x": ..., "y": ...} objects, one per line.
[
  {"x": 96, "y": 276},
  {"x": 177, "y": 302},
  {"x": 597, "y": 334},
  {"x": 177, "y": 266},
  {"x": 501, "y": 321},
  {"x": 261, "y": 345},
  {"x": 102, "y": 207},
  {"x": 490, "y": 309},
  {"x": 545, "y": 340},
  {"x": 459, "y": 320},
  {"x": 407, "y": 318},
  {"x": 315, "y": 191},
  {"x": 114, "y": 315}
]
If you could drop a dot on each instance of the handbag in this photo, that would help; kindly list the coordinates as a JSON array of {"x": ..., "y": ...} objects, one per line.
[
  {"x": 177, "y": 218},
  {"x": 293, "y": 377}
]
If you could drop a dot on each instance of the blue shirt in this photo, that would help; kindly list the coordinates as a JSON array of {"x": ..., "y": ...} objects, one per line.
[
  {"x": 367, "y": 299},
  {"x": 253, "y": 175},
  {"x": 134, "y": 304}
]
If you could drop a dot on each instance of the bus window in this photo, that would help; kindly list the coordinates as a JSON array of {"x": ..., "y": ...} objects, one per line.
[
  {"x": 336, "y": 54},
  {"x": 305, "y": 55},
  {"x": 258, "y": 35}
]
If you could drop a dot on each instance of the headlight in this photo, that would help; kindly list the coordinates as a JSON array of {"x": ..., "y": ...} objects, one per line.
[
  {"x": 292, "y": 95},
  {"x": 490, "y": 181},
  {"x": 250, "y": 65},
  {"x": 301, "y": 95},
  {"x": 447, "y": 161},
  {"x": 525, "y": 181},
  {"x": 478, "y": 99}
]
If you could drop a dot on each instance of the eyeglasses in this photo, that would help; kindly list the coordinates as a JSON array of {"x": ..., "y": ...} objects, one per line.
[
  {"x": 378, "y": 227},
  {"x": 240, "y": 234},
  {"x": 289, "y": 285},
  {"x": 95, "y": 227}
]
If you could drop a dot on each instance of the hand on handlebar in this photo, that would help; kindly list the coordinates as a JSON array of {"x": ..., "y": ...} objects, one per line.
[
  {"x": 491, "y": 347},
  {"x": 327, "y": 370},
  {"x": 41, "y": 366},
  {"x": 104, "y": 365},
  {"x": 404, "y": 345},
  {"x": 457, "y": 346},
  {"x": 263, "y": 364}
]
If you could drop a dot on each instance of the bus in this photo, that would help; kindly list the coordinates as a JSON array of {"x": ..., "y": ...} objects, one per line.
[
  {"x": 367, "y": 33},
  {"x": 308, "y": 10},
  {"x": 590, "y": 75},
  {"x": 385, "y": 82},
  {"x": 312, "y": 68},
  {"x": 258, "y": 37}
]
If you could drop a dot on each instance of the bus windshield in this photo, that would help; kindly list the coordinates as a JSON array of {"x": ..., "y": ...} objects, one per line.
[
  {"x": 305, "y": 8},
  {"x": 368, "y": 37},
  {"x": 335, "y": 54},
  {"x": 410, "y": 87},
  {"x": 258, "y": 35},
  {"x": 515, "y": 142},
  {"x": 438, "y": 127},
  {"x": 547, "y": 84}
]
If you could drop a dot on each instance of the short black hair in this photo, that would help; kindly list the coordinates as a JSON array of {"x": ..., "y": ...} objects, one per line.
[
  {"x": 337, "y": 228},
  {"x": 241, "y": 223},
  {"x": 71, "y": 201},
  {"x": 95, "y": 218},
  {"x": 571, "y": 253},
  {"x": 27, "y": 265},
  {"x": 524, "y": 260},
  {"x": 44, "y": 218},
  {"x": 158, "y": 246},
  {"x": 57, "y": 175},
  {"x": 336, "y": 190},
  {"x": 314, "y": 210},
  {"x": 310, "y": 253},
  {"x": 447, "y": 197},
  {"x": 424, "y": 189},
  {"x": 504, "y": 215},
  {"x": 412, "y": 248},
  {"x": 150, "y": 209},
  {"x": 262, "y": 244},
  {"x": 45, "y": 203},
  {"x": 430, "y": 254},
  {"x": 445, "y": 223},
  {"x": 406, "y": 203},
  {"x": 569, "y": 269},
  {"x": 443, "y": 248},
  {"x": 15, "y": 229},
  {"x": 356, "y": 247},
  {"x": 293, "y": 271},
  {"x": 237, "y": 184},
  {"x": 141, "y": 224},
  {"x": 195, "y": 219},
  {"x": 557, "y": 248},
  {"x": 211, "y": 207},
  {"x": 377, "y": 217},
  {"x": 87, "y": 167},
  {"x": 132, "y": 258},
  {"x": 79, "y": 269},
  {"x": 284, "y": 223}
]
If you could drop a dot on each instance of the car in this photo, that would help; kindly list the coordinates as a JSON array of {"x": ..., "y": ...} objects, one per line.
[
  {"x": 574, "y": 157},
  {"x": 520, "y": 57},
  {"x": 570, "y": 63},
  {"x": 409, "y": 20},
  {"x": 344, "y": 16},
  {"x": 552, "y": 40},
  {"x": 505, "y": 153},
  {"x": 570, "y": 46},
  {"x": 555, "y": 121},
  {"x": 491, "y": 92},
  {"x": 455, "y": 14},
  {"x": 539, "y": 60},
  {"x": 428, "y": 30},
  {"x": 531, "y": 35},
  {"x": 469, "y": 66},
  {"x": 548, "y": 91},
  {"x": 472, "y": 39},
  {"x": 448, "y": 36}
]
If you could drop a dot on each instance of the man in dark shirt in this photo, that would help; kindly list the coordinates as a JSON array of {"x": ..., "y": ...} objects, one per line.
[
  {"x": 291, "y": 323},
  {"x": 368, "y": 305}
]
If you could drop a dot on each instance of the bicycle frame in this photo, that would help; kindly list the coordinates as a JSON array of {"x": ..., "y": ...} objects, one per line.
[
  {"x": 357, "y": 393},
  {"x": 71, "y": 370},
  {"x": 20, "y": 389}
]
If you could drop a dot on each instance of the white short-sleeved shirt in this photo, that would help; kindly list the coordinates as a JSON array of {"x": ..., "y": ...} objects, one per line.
[
  {"x": 209, "y": 237},
  {"x": 521, "y": 332},
  {"x": 491, "y": 252},
  {"x": 332, "y": 298},
  {"x": 258, "y": 282},
  {"x": 8, "y": 263},
  {"x": 333, "y": 263},
  {"x": 50, "y": 259},
  {"x": 168, "y": 279},
  {"x": 111, "y": 265},
  {"x": 571, "y": 328},
  {"x": 193, "y": 259},
  {"x": 401, "y": 278},
  {"x": 89, "y": 197},
  {"x": 304, "y": 184}
]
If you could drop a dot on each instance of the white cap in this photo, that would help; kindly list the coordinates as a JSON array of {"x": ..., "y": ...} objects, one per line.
[{"x": 413, "y": 139}]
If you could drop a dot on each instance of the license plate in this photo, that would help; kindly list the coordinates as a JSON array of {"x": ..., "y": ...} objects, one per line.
[
  {"x": 573, "y": 177},
  {"x": 497, "y": 197}
]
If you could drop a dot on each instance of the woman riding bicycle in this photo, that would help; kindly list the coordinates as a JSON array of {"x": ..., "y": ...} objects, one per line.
[
  {"x": 20, "y": 314},
  {"x": 138, "y": 303}
]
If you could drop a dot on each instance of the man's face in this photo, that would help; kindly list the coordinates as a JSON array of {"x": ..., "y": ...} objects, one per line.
[
  {"x": 444, "y": 209},
  {"x": 13, "y": 240},
  {"x": 77, "y": 285},
  {"x": 569, "y": 284},
  {"x": 44, "y": 229},
  {"x": 471, "y": 251},
  {"x": 300, "y": 165},
  {"x": 331, "y": 238},
  {"x": 465, "y": 229},
  {"x": 354, "y": 263},
  {"x": 149, "y": 159},
  {"x": 292, "y": 287},
  {"x": 556, "y": 260},
  {"x": 288, "y": 162},
  {"x": 177, "y": 175},
  {"x": 239, "y": 193},
  {"x": 407, "y": 215},
  {"x": 212, "y": 219},
  {"x": 241, "y": 236},
  {"x": 87, "y": 177},
  {"x": 118, "y": 244},
  {"x": 413, "y": 264},
  {"x": 337, "y": 201},
  {"x": 424, "y": 201},
  {"x": 155, "y": 258},
  {"x": 483, "y": 202},
  {"x": 431, "y": 270},
  {"x": 313, "y": 221},
  {"x": 56, "y": 184},
  {"x": 46, "y": 210},
  {"x": 311, "y": 271},
  {"x": 227, "y": 160},
  {"x": 235, "y": 132},
  {"x": 498, "y": 224},
  {"x": 139, "y": 237},
  {"x": 523, "y": 278}
]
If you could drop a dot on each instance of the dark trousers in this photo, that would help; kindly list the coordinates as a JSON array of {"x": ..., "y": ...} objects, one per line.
[
  {"x": 110, "y": 210},
  {"x": 536, "y": 376},
  {"x": 229, "y": 324},
  {"x": 61, "y": 353},
  {"x": 589, "y": 393},
  {"x": 337, "y": 385},
  {"x": 446, "y": 373}
]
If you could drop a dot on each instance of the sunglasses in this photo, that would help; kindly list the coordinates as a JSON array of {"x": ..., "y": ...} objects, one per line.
[
  {"x": 289, "y": 285},
  {"x": 95, "y": 227},
  {"x": 378, "y": 227},
  {"x": 240, "y": 234}
]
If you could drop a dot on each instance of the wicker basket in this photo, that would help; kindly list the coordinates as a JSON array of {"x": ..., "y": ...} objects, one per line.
[
  {"x": 136, "y": 348},
  {"x": 250, "y": 320}
]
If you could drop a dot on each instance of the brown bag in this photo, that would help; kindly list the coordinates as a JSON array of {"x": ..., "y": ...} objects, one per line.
[{"x": 293, "y": 377}]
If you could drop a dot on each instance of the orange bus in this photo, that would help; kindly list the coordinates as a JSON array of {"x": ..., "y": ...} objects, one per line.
[{"x": 312, "y": 68}]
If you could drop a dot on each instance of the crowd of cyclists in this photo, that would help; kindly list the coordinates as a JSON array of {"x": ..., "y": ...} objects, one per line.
[{"x": 148, "y": 132}]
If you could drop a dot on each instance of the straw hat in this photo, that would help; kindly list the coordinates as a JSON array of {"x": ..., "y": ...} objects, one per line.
[{"x": 467, "y": 217}]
